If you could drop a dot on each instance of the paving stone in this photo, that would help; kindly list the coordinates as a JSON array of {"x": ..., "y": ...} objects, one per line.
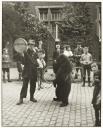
[{"x": 46, "y": 112}]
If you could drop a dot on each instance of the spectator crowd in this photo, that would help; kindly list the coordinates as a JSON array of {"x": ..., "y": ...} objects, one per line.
[{"x": 31, "y": 64}]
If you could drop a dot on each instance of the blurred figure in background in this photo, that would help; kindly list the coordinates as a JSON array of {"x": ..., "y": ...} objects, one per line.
[
  {"x": 86, "y": 61},
  {"x": 17, "y": 58},
  {"x": 42, "y": 64},
  {"x": 70, "y": 53},
  {"x": 96, "y": 101},
  {"x": 77, "y": 55},
  {"x": 6, "y": 64},
  {"x": 66, "y": 51},
  {"x": 40, "y": 48},
  {"x": 20, "y": 69},
  {"x": 94, "y": 68}
]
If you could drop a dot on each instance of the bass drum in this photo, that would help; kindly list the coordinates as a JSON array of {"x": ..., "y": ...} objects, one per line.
[
  {"x": 20, "y": 45},
  {"x": 48, "y": 74}
]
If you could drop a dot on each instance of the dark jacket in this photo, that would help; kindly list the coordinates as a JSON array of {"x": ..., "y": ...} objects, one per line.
[
  {"x": 55, "y": 55},
  {"x": 30, "y": 64},
  {"x": 96, "y": 101}
]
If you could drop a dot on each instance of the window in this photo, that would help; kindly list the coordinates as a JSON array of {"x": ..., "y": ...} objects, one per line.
[
  {"x": 43, "y": 14},
  {"x": 53, "y": 29},
  {"x": 55, "y": 14}
]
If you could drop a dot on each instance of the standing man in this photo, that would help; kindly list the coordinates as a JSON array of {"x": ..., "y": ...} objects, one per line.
[
  {"x": 86, "y": 61},
  {"x": 77, "y": 54},
  {"x": 29, "y": 72},
  {"x": 56, "y": 54}
]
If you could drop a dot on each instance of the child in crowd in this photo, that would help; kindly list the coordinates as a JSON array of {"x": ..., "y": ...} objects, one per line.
[
  {"x": 94, "y": 68},
  {"x": 18, "y": 59},
  {"x": 42, "y": 64},
  {"x": 96, "y": 101},
  {"x": 6, "y": 64},
  {"x": 20, "y": 69}
]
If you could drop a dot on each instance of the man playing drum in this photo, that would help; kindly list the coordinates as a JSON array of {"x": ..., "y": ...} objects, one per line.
[{"x": 29, "y": 61}]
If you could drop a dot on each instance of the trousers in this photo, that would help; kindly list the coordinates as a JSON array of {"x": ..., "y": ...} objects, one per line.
[
  {"x": 23, "y": 92},
  {"x": 86, "y": 68}
]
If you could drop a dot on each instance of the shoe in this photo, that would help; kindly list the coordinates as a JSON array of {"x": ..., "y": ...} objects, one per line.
[
  {"x": 63, "y": 104},
  {"x": 9, "y": 81},
  {"x": 56, "y": 99},
  {"x": 20, "y": 102},
  {"x": 89, "y": 85},
  {"x": 97, "y": 123},
  {"x": 83, "y": 85},
  {"x": 33, "y": 100}
]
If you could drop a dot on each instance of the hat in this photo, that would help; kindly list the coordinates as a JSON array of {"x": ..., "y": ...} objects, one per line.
[{"x": 31, "y": 41}]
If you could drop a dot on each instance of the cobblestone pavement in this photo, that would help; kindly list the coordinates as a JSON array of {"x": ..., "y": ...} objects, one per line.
[{"x": 47, "y": 112}]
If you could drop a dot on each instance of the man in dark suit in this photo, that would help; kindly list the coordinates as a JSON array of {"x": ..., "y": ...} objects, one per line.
[{"x": 29, "y": 72}]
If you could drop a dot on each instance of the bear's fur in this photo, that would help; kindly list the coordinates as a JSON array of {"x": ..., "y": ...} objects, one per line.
[{"x": 63, "y": 70}]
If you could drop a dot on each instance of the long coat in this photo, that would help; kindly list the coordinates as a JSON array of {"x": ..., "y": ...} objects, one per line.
[
  {"x": 63, "y": 77},
  {"x": 30, "y": 65}
]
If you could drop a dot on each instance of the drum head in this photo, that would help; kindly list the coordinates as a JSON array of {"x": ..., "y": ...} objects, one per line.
[
  {"x": 20, "y": 45},
  {"x": 48, "y": 74}
]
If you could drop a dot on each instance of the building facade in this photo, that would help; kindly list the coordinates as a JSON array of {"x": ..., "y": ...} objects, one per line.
[{"x": 50, "y": 13}]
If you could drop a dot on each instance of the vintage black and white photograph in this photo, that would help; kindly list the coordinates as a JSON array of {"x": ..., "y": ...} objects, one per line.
[{"x": 51, "y": 64}]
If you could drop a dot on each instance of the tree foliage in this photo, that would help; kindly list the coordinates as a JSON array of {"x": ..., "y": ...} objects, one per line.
[
  {"x": 11, "y": 25},
  {"x": 76, "y": 23},
  {"x": 19, "y": 21}
]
